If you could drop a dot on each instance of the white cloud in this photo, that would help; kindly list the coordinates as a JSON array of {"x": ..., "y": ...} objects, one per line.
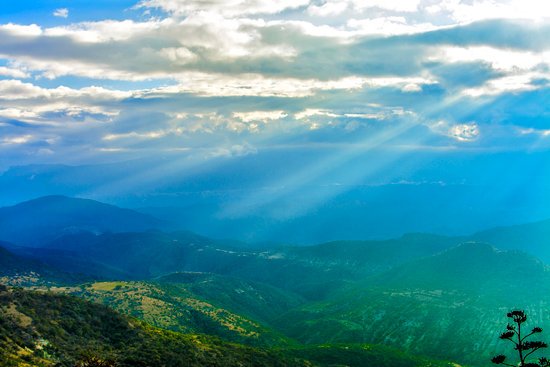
[
  {"x": 107, "y": 30},
  {"x": 13, "y": 89},
  {"x": 143, "y": 135},
  {"x": 392, "y": 25},
  {"x": 310, "y": 112},
  {"x": 16, "y": 89},
  {"x": 329, "y": 8},
  {"x": 517, "y": 70},
  {"x": 540, "y": 132},
  {"x": 22, "y": 139},
  {"x": 33, "y": 104},
  {"x": 236, "y": 150},
  {"x": 260, "y": 116},
  {"x": 500, "y": 59},
  {"x": 258, "y": 85},
  {"x": 18, "y": 114},
  {"x": 225, "y": 7},
  {"x": 32, "y": 30},
  {"x": 470, "y": 11},
  {"x": 61, "y": 13},
  {"x": 179, "y": 55},
  {"x": 336, "y": 7},
  {"x": 464, "y": 132},
  {"x": 392, "y": 5},
  {"x": 13, "y": 73},
  {"x": 296, "y": 58},
  {"x": 412, "y": 88},
  {"x": 509, "y": 84},
  {"x": 378, "y": 115}
]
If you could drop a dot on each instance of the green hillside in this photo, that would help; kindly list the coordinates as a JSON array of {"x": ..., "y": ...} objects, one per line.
[
  {"x": 42, "y": 329},
  {"x": 256, "y": 300},
  {"x": 175, "y": 307},
  {"x": 321, "y": 269},
  {"x": 361, "y": 355},
  {"x": 335, "y": 303},
  {"x": 451, "y": 305}
]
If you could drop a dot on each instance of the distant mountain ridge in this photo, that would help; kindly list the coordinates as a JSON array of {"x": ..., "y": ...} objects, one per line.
[
  {"x": 207, "y": 200},
  {"x": 23, "y": 271},
  {"x": 532, "y": 237},
  {"x": 101, "y": 240},
  {"x": 35, "y": 222},
  {"x": 39, "y": 221}
]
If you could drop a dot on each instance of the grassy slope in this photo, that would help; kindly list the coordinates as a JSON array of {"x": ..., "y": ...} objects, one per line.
[
  {"x": 175, "y": 307},
  {"x": 450, "y": 306},
  {"x": 43, "y": 329}
]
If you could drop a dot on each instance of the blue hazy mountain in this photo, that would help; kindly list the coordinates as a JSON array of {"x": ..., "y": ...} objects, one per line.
[
  {"x": 35, "y": 222},
  {"x": 68, "y": 224},
  {"x": 20, "y": 270},
  {"x": 87, "y": 236},
  {"x": 530, "y": 237},
  {"x": 12, "y": 265}
]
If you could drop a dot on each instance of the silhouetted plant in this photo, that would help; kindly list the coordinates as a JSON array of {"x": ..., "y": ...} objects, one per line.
[{"x": 523, "y": 346}]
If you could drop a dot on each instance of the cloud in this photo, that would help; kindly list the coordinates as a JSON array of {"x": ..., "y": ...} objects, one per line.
[
  {"x": 226, "y": 7},
  {"x": 539, "y": 132},
  {"x": 328, "y": 8},
  {"x": 257, "y": 85},
  {"x": 18, "y": 114},
  {"x": 505, "y": 60},
  {"x": 392, "y": 5},
  {"x": 30, "y": 103},
  {"x": 23, "y": 139},
  {"x": 13, "y": 73},
  {"x": 464, "y": 132},
  {"x": 13, "y": 89},
  {"x": 470, "y": 11},
  {"x": 263, "y": 116},
  {"x": 18, "y": 30},
  {"x": 237, "y": 150},
  {"x": 512, "y": 83},
  {"x": 392, "y": 25},
  {"x": 190, "y": 74},
  {"x": 61, "y": 13},
  {"x": 133, "y": 134}
]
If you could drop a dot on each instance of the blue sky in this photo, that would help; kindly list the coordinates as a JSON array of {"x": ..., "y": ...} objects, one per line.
[{"x": 202, "y": 80}]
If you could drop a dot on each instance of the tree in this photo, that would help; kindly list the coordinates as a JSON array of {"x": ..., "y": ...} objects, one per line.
[{"x": 525, "y": 348}]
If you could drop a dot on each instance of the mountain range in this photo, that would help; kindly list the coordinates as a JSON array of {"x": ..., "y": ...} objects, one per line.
[
  {"x": 429, "y": 295},
  {"x": 243, "y": 200}
]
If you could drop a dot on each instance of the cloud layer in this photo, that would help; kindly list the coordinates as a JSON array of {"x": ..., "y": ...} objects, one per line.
[{"x": 207, "y": 78}]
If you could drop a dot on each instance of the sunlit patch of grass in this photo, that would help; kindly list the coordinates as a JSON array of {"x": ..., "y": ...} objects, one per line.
[{"x": 107, "y": 286}]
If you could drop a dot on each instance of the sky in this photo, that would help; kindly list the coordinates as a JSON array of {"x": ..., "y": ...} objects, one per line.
[{"x": 200, "y": 82}]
